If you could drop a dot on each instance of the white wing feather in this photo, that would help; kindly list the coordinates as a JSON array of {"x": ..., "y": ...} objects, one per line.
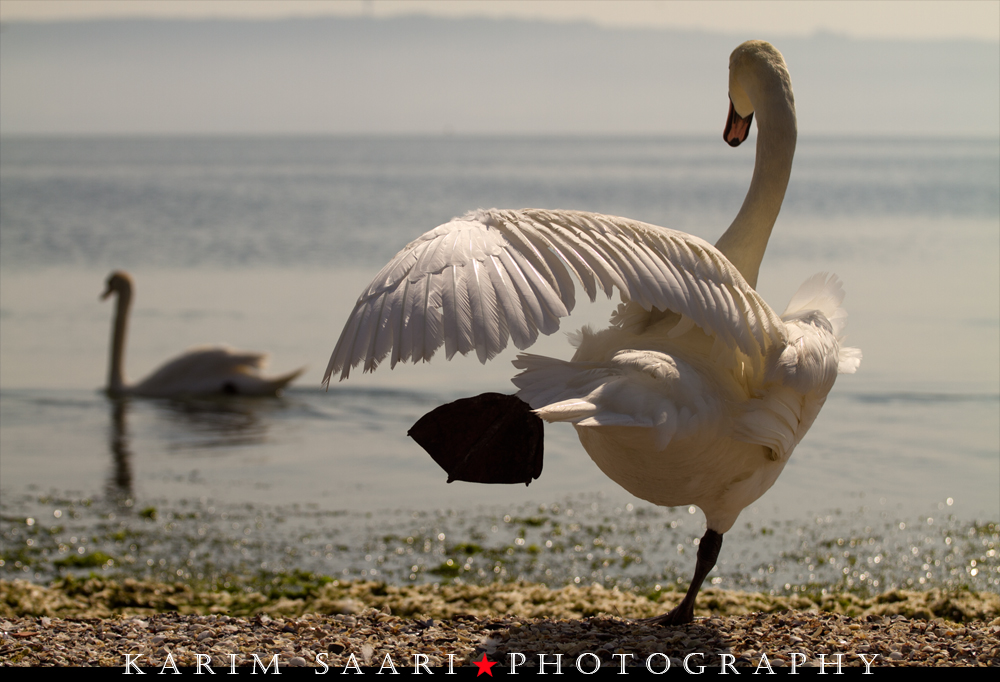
[{"x": 490, "y": 275}]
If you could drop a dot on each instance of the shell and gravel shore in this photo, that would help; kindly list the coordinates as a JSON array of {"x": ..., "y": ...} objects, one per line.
[{"x": 101, "y": 622}]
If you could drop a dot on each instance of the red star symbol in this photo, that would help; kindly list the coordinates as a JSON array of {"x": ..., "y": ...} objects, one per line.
[{"x": 484, "y": 666}]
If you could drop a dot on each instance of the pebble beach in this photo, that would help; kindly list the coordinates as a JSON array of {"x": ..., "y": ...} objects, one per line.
[{"x": 368, "y": 624}]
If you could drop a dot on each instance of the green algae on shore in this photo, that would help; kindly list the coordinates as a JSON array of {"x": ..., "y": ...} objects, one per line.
[{"x": 590, "y": 540}]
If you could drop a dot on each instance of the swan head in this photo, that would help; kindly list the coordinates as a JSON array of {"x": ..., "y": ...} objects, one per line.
[
  {"x": 118, "y": 282},
  {"x": 756, "y": 70}
]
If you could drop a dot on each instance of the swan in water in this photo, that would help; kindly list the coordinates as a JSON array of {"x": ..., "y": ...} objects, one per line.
[
  {"x": 697, "y": 392},
  {"x": 200, "y": 371}
]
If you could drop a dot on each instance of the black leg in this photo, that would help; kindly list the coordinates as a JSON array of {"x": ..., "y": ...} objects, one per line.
[{"x": 708, "y": 552}]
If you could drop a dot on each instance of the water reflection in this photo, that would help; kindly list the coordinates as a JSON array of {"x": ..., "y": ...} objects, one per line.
[
  {"x": 218, "y": 421},
  {"x": 118, "y": 487},
  {"x": 188, "y": 424}
]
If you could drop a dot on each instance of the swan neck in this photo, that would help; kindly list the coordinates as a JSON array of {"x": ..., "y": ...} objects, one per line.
[
  {"x": 116, "y": 376},
  {"x": 745, "y": 242}
]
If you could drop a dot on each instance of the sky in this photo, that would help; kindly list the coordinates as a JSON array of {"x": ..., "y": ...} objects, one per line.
[{"x": 920, "y": 19}]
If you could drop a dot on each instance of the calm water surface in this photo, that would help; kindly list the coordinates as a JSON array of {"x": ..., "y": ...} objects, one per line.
[{"x": 266, "y": 243}]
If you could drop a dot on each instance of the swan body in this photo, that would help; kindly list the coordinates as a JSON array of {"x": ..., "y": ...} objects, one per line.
[
  {"x": 199, "y": 371},
  {"x": 697, "y": 392},
  {"x": 677, "y": 418}
]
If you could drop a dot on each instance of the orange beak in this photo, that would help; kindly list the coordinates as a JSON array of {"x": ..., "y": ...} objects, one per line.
[{"x": 737, "y": 127}]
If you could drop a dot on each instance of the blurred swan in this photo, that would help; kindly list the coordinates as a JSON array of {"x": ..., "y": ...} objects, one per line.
[
  {"x": 697, "y": 392},
  {"x": 199, "y": 371}
]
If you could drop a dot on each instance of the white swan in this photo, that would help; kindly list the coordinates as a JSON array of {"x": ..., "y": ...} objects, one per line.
[
  {"x": 199, "y": 371},
  {"x": 698, "y": 392}
]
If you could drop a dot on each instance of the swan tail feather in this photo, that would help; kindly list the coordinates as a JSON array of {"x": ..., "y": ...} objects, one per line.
[
  {"x": 279, "y": 382},
  {"x": 850, "y": 360},
  {"x": 642, "y": 389}
]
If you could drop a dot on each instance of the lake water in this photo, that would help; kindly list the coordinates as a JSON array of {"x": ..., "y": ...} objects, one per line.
[{"x": 265, "y": 244}]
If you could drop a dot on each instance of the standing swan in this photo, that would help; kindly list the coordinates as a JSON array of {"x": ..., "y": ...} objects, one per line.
[
  {"x": 199, "y": 371},
  {"x": 696, "y": 393}
]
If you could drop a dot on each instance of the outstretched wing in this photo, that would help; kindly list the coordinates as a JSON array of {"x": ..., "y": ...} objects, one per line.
[{"x": 490, "y": 275}]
